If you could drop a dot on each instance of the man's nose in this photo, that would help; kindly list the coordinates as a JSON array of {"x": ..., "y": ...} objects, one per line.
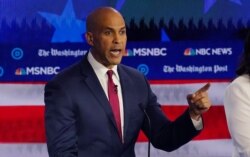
[{"x": 117, "y": 38}]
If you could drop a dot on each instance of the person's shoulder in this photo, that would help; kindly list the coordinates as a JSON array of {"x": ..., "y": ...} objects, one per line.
[
  {"x": 241, "y": 80},
  {"x": 241, "y": 83}
]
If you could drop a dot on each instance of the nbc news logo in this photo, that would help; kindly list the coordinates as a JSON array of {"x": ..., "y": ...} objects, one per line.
[{"x": 208, "y": 51}]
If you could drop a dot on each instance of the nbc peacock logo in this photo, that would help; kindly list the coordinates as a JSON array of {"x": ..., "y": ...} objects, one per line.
[
  {"x": 20, "y": 71},
  {"x": 128, "y": 52},
  {"x": 189, "y": 52}
]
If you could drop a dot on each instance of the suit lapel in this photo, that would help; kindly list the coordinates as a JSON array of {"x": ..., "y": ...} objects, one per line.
[
  {"x": 95, "y": 87},
  {"x": 127, "y": 94}
]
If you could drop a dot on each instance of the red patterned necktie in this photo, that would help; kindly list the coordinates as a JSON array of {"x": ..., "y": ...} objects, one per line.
[{"x": 114, "y": 101}]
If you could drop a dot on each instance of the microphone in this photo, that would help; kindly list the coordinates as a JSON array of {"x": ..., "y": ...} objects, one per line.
[
  {"x": 149, "y": 125},
  {"x": 116, "y": 88}
]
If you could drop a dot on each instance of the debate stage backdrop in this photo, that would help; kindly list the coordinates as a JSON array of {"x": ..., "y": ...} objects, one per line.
[{"x": 179, "y": 45}]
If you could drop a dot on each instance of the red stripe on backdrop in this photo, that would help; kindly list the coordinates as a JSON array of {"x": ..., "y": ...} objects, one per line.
[
  {"x": 215, "y": 126},
  {"x": 188, "y": 81},
  {"x": 19, "y": 124}
]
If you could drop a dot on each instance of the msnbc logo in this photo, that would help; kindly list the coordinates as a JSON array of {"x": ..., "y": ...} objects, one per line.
[
  {"x": 144, "y": 52},
  {"x": 189, "y": 52},
  {"x": 37, "y": 71}
]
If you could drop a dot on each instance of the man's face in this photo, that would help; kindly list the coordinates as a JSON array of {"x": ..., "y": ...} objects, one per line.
[{"x": 108, "y": 39}]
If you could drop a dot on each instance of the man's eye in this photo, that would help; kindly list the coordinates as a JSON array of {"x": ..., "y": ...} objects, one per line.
[
  {"x": 107, "y": 32},
  {"x": 123, "y": 32}
]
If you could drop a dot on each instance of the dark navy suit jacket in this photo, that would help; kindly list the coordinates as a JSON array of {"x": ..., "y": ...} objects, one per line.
[{"x": 79, "y": 120}]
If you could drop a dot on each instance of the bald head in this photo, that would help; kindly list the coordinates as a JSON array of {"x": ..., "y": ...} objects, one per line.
[
  {"x": 99, "y": 15},
  {"x": 106, "y": 34}
]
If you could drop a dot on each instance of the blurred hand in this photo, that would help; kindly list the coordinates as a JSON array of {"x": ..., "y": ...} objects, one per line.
[{"x": 199, "y": 102}]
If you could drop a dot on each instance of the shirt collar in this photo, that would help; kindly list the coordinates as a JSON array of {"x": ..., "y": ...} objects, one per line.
[{"x": 99, "y": 68}]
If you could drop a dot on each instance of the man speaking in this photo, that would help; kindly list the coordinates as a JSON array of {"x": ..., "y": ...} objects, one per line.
[{"x": 96, "y": 108}]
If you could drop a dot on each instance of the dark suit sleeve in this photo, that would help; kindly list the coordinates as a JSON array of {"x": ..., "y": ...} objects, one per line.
[
  {"x": 59, "y": 122},
  {"x": 167, "y": 135}
]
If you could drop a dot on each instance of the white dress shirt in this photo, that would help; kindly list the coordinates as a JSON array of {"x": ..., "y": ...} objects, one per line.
[
  {"x": 237, "y": 109},
  {"x": 101, "y": 72}
]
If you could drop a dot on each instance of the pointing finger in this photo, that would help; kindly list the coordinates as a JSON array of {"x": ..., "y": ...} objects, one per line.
[{"x": 203, "y": 89}]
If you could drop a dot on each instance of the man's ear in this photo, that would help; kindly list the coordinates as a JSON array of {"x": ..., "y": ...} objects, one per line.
[{"x": 89, "y": 38}]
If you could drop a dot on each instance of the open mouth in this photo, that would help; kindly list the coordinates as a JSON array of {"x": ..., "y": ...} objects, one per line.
[{"x": 116, "y": 51}]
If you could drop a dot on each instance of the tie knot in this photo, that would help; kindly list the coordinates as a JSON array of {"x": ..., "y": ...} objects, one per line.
[{"x": 110, "y": 73}]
